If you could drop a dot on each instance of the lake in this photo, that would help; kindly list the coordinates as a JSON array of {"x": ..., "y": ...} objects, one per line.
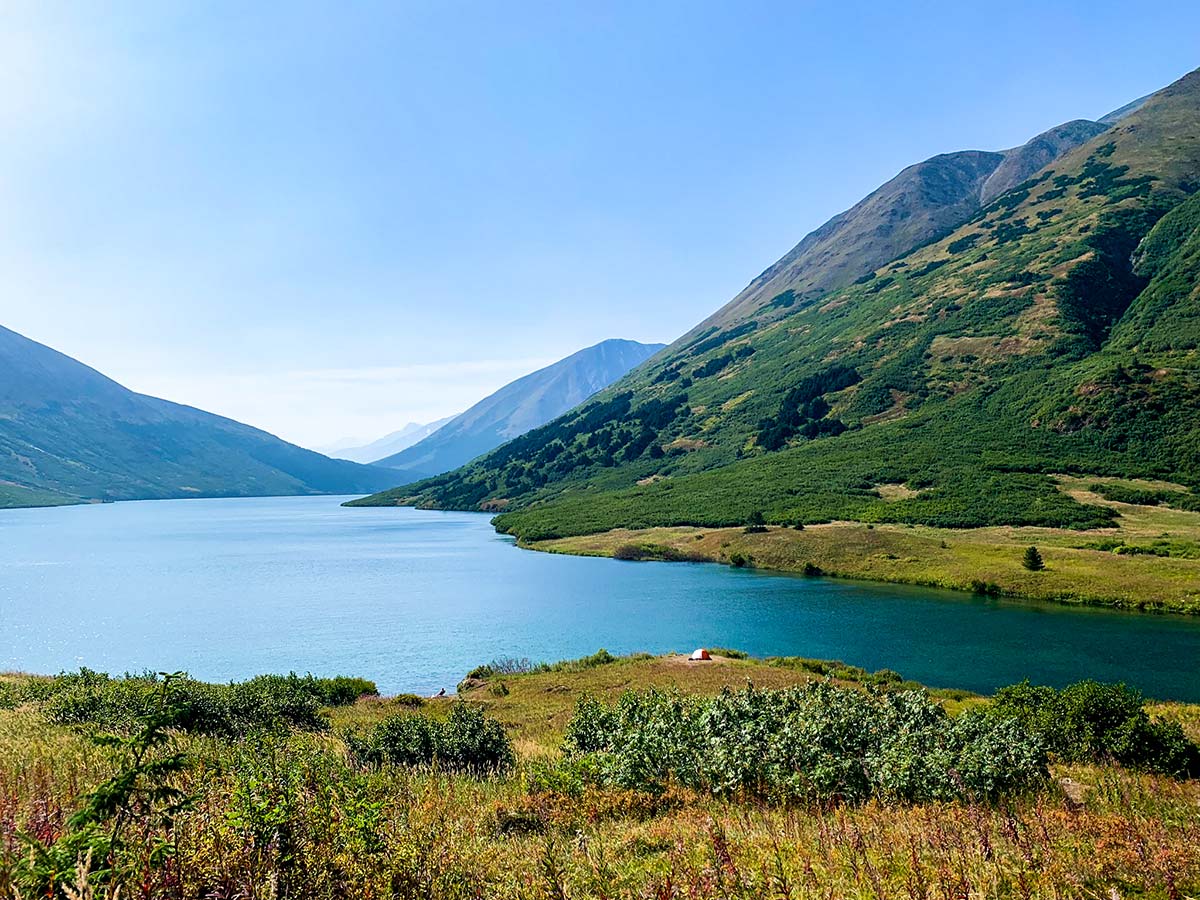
[{"x": 226, "y": 589}]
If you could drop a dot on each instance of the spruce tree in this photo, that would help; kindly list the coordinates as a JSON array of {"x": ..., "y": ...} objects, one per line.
[{"x": 1033, "y": 560}]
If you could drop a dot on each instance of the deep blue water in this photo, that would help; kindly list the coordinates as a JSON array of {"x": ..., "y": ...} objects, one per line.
[{"x": 231, "y": 588}]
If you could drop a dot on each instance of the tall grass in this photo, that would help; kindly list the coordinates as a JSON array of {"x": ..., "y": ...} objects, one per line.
[{"x": 283, "y": 813}]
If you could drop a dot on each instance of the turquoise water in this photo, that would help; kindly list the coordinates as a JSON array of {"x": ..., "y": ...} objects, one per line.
[{"x": 231, "y": 588}]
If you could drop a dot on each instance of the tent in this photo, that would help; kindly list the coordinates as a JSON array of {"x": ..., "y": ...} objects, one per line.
[{"x": 700, "y": 654}]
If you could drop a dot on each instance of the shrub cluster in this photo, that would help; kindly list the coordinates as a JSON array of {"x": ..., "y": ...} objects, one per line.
[
  {"x": 803, "y": 409},
  {"x": 1146, "y": 496},
  {"x": 267, "y": 701},
  {"x": 815, "y": 743},
  {"x": 466, "y": 741},
  {"x": 1093, "y": 722},
  {"x": 657, "y": 552}
]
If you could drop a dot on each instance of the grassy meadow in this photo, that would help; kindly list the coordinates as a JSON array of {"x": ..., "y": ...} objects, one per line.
[
  {"x": 274, "y": 802},
  {"x": 1149, "y": 559}
]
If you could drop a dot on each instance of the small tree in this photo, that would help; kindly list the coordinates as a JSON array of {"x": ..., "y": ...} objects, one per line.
[
  {"x": 142, "y": 791},
  {"x": 756, "y": 523},
  {"x": 1033, "y": 560}
]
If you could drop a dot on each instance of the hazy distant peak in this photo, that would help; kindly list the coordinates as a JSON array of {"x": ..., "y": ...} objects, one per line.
[
  {"x": 521, "y": 405},
  {"x": 389, "y": 444}
]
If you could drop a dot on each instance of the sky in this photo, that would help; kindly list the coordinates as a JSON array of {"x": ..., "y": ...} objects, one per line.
[{"x": 330, "y": 219}]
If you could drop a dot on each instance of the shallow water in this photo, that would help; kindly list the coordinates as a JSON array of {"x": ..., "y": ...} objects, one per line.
[{"x": 412, "y": 599}]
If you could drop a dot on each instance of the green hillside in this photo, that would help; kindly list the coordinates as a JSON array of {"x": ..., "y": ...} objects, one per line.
[
  {"x": 1056, "y": 331},
  {"x": 13, "y": 496},
  {"x": 68, "y": 434}
]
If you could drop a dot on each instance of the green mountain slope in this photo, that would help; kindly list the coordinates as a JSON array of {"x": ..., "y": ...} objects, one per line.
[
  {"x": 924, "y": 202},
  {"x": 68, "y": 434},
  {"x": 519, "y": 406},
  {"x": 1052, "y": 331}
]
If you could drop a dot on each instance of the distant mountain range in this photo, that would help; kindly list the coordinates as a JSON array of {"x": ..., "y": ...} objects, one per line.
[
  {"x": 520, "y": 406},
  {"x": 932, "y": 355},
  {"x": 387, "y": 445},
  {"x": 69, "y": 434}
]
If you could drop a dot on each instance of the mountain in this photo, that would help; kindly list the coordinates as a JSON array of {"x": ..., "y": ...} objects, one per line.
[
  {"x": 1055, "y": 329},
  {"x": 69, "y": 434},
  {"x": 1021, "y": 162},
  {"x": 519, "y": 406},
  {"x": 921, "y": 204},
  {"x": 387, "y": 445}
]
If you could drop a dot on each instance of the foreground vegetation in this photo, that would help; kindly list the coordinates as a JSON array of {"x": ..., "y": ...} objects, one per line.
[
  {"x": 603, "y": 777},
  {"x": 1149, "y": 559}
]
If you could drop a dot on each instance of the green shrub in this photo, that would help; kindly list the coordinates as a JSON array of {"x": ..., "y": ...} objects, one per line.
[
  {"x": 593, "y": 726},
  {"x": 343, "y": 690},
  {"x": 629, "y": 552},
  {"x": 1093, "y": 722},
  {"x": 403, "y": 740},
  {"x": 637, "y": 552},
  {"x": 1146, "y": 496},
  {"x": 815, "y": 743},
  {"x": 466, "y": 741},
  {"x": 89, "y": 698},
  {"x": 471, "y": 742}
]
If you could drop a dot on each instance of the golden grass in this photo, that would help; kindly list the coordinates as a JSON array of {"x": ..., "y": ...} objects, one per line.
[
  {"x": 960, "y": 558},
  {"x": 290, "y": 818},
  {"x": 535, "y": 707}
]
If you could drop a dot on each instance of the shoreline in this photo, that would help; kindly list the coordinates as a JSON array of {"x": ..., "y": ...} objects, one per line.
[{"x": 984, "y": 562}]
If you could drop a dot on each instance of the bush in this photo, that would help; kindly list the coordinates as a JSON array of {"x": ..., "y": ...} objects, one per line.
[
  {"x": 660, "y": 552},
  {"x": 629, "y": 552},
  {"x": 815, "y": 743},
  {"x": 403, "y": 740},
  {"x": 756, "y": 523},
  {"x": 343, "y": 691},
  {"x": 1093, "y": 722},
  {"x": 466, "y": 741},
  {"x": 267, "y": 701},
  {"x": 592, "y": 727}
]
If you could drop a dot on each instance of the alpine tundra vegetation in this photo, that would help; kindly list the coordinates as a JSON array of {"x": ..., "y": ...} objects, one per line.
[{"x": 605, "y": 776}]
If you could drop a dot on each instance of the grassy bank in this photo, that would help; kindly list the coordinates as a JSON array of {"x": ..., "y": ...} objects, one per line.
[
  {"x": 279, "y": 804},
  {"x": 1150, "y": 560}
]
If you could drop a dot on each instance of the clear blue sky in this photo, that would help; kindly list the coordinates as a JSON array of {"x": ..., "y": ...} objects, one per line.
[{"x": 329, "y": 219}]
